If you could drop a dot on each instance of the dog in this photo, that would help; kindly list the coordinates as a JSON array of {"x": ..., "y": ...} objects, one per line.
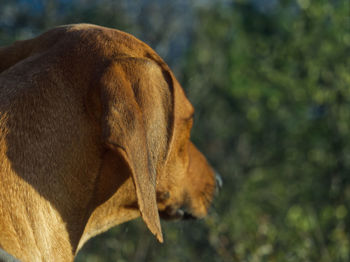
[{"x": 94, "y": 132}]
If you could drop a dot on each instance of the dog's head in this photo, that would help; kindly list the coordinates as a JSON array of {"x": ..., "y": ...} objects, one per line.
[{"x": 147, "y": 120}]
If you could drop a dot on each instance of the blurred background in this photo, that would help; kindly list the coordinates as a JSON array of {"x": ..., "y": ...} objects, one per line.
[{"x": 270, "y": 83}]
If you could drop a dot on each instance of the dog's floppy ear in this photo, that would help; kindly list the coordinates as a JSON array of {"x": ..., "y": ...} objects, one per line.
[{"x": 136, "y": 114}]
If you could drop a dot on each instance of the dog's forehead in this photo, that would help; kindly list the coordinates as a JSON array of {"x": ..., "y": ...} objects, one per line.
[{"x": 183, "y": 106}]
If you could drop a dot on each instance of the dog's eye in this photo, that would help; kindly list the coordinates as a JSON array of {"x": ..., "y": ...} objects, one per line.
[
  {"x": 189, "y": 123},
  {"x": 190, "y": 118}
]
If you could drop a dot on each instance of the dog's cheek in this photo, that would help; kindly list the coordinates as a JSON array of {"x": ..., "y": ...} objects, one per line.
[{"x": 171, "y": 182}]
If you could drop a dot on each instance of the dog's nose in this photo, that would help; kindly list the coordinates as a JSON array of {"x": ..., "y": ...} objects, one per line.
[{"x": 218, "y": 181}]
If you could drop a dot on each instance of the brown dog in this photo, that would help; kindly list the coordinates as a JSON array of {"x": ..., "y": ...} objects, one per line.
[{"x": 94, "y": 130}]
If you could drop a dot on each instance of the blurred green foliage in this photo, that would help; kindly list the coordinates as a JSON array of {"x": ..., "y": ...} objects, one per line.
[
  {"x": 270, "y": 84},
  {"x": 278, "y": 80}
]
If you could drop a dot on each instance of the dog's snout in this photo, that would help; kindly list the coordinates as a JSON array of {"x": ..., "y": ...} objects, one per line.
[{"x": 218, "y": 181}]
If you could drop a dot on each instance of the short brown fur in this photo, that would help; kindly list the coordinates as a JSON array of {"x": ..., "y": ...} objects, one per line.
[{"x": 94, "y": 131}]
